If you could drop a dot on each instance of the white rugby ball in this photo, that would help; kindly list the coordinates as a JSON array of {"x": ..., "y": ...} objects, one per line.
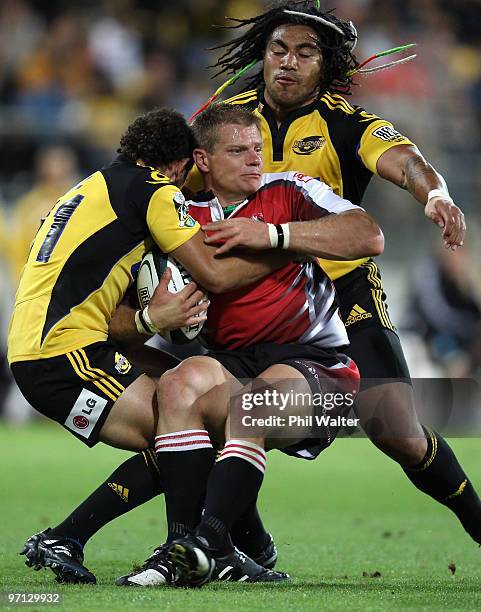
[{"x": 151, "y": 268}]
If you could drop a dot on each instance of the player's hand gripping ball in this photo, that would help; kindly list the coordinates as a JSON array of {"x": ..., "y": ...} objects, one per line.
[{"x": 151, "y": 269}]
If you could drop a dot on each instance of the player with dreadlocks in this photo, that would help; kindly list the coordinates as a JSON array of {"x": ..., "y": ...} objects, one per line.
[{"x": 307, "y": 62}]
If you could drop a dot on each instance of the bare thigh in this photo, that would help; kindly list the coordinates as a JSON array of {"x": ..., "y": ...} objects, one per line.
[
  {"x": 282, "y": 386},
  {"x": 132, "y": 422}
]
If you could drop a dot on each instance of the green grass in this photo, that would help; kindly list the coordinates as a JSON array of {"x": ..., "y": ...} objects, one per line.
[{"x": 349, "y": 512}]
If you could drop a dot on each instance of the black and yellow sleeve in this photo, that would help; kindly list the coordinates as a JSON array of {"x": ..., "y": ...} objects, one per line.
[
  {"x": 168, "y": 219},
  {"x": 379, "y": 137}
]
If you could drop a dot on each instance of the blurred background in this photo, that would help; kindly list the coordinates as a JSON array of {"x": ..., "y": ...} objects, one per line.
[{"x": 73, "y": 75}]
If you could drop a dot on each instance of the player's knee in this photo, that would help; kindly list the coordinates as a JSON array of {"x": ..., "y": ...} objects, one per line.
[
  {"x": 406, "y": 451},
  {"x": 180, "y": 388}
]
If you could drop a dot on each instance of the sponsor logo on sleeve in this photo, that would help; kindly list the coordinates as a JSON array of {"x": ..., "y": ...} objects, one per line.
[
  {"x": 303, "y": 178},
  {"x": 388, "y": 134},
  {"x": 306, "y": 146},
  {"x": 85, "y": 413},
  {"x": 185, "y": 220}
]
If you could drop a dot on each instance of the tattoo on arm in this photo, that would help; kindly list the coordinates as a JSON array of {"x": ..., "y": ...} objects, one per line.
[{"x": 420, "y": 177}]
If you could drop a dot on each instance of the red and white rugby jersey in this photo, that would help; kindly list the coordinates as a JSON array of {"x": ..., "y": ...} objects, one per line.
[{"x": 294, "y": 304}]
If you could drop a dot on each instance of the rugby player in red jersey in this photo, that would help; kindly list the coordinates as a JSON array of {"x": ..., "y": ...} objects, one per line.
[{"x": 284, "y": 328}]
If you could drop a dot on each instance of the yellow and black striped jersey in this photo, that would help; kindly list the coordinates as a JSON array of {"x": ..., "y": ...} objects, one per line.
[
  {"x": 83, "y": 258},
  {"x": 329, "y": 139}
]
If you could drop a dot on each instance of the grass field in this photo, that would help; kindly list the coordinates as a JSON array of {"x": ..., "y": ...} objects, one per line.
[{"x": 336, "y": 521}]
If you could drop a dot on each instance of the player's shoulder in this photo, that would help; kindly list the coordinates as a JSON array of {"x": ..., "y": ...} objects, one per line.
[
  {"x": 334, "y": 107},
  {"x": 134, "y": 187},
  {"x": 286, "y": 179},
  {"x": 246, "y": 99},
  {"x": 126, "y": 173}
]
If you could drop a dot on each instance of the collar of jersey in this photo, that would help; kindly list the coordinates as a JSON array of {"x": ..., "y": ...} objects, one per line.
[
  {"x": 268, "y": 113},
  {"x": 218, "y": 212}
]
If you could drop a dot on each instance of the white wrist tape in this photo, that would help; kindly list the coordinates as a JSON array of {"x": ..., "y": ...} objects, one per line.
[
  {"x": 141, "y": 328},
  {"x": 287, "y": 235},
  {"x": 150, "y": 324},
  {"x": 273, "y": 237},
  {"x": 439, "y": 193}
]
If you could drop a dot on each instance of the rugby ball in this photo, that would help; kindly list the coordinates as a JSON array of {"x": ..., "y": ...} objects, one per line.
[{"x": 151, "y": 268}]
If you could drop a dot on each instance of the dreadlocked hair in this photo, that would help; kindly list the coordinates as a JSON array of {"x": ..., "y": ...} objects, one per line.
[
  {"x": 206, "y": 125},
  {"x": 158, "y": 138},
  {"x": 338, "y": 59}
]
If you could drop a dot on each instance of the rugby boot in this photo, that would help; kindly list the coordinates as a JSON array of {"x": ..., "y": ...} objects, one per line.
[
  {"x": 62, "y": 555},
  {"x": 193, "y": 560},
  {"x": 157, "y": 570},
  {"x": 238, "y": 567},
  {"x": 267, "y": 557},
  {"x": 196, "y": 564}
]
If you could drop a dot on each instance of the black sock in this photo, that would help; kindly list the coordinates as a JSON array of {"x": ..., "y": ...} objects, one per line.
[
  {"x": 440, "y": 476},
  {"x": 185, "y": 459},
  {"x": 233, "y": 487},
  {"x": 132, "y": 484},
  {"x": 248, "y": 532}
]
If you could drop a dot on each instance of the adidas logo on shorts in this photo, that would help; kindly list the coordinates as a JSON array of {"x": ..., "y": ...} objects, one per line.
[{"x": 357, "y": 314}]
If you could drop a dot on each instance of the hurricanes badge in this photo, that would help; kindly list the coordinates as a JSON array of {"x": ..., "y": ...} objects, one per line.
[
  {"x": 308, "y": 145},
  {"x": 122, "y": 364}
]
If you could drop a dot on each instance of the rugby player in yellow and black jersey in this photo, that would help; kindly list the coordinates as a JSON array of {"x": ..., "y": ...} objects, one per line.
[
  {"x": 308, "y": 126},
  {"x": 81, "y": 265}
]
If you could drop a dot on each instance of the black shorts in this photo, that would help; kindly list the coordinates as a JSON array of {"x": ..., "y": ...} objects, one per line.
[
  {"x": 315, "y": 364},
  {"x": 77, "y": 389},
  {"x": 374, "y": 343},
  {"x": 250, "y": 361}
]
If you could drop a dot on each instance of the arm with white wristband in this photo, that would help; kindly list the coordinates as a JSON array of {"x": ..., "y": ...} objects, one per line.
[
  {"x": 405, "y": 166},
  {"x": 442, "y": 210},
  {"x": 279, "y": 235},
  {"x": 349, "y": 235},
  {"x": 165, "y": 312},
  {"x": 144, "y": 323},
  {"x": 439, "y": 193}
]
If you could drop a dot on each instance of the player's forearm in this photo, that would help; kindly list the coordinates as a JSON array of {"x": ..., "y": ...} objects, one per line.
[
  {"x": 220, "y": 274},
  {"x": 122, "y": 328},
  {"x": 234, "y": 272},
  {"x": 420, "y": 178},
  {"x": 344, "y": 236},
  {"x": 406, "y": 167},
  {"x": 123, "y": 331}
]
